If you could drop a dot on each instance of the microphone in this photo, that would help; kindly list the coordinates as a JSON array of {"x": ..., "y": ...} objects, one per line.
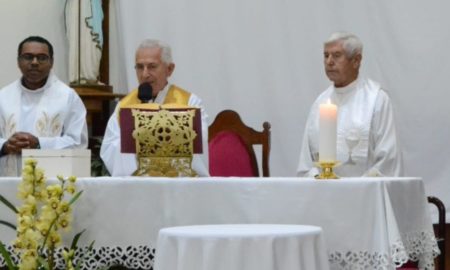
[{"x": 145, "y": 92}]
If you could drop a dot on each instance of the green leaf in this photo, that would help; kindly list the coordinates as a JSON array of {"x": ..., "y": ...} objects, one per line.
[
  {"x": 6, "y": 223},
  {"x": 7, "y": 203},
  {"x": 43, "y": 262},
  {"x": 75, "y": 197},
  {"x": 7, "y": 257},
  {"x": 75, "y": 239},
  {"x": 91, "y": 246}
]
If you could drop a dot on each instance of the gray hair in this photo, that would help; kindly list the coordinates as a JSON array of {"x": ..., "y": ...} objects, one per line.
[
  {"x": 166, "y": 51},
  {"x": 351, "y": 43}
]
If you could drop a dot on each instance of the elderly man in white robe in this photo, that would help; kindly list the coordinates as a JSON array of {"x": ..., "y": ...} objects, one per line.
[
  {"x": 153, "y": 65},
  {"x": 38, "y": 110},
  {"x": 367, "y": 143}
]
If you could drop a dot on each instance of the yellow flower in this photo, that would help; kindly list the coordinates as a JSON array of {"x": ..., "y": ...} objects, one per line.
[
  {"x": 54, "y": 238},
  {"x": 42, "y": 195},
  {"x": 65, "y": 255},
  {"x": 17, "y": 243},
  {"x": 54, "y": 190},
  {"x": 42, "y": 215},
  {"x": 31, "y": 162},
  {"x": 28, "y": 263},
  {"x": 42, "y": 226},
  {"x": 38, "y": 196},
  {"x": 28, "y": 260},
  {"x": 32, "y": 235},
  {"x": 64, "y": 222},
  {"x": 64, "y": 207},
  {"x": 68, "y": 255},
  {"x": 24, "y": 190},
  {"x": 39, "y": 175},
  {"x": 31, "y": 201},
  {"x": 28, "y": 178},
  {"x": 72, "y": 179},
  {"x": 27, "y": 170},
  {"x": 47, "y": 214},
  {"x": 53, "y": 203},
  {"x": 25, "y": 221},
  {"x": 27, "y": 210},
  {"x": 70, "y": 189},
  {"x": 21, "y": 229}
]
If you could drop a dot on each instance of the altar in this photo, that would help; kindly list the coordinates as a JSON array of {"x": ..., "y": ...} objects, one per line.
[{"x": 368, "y": 223}]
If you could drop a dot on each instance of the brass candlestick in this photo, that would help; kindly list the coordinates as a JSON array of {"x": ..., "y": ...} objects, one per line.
[{"x": 327, "y": 169}]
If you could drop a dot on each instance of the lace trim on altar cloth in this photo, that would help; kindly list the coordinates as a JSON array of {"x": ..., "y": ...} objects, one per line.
[
  {"x": 133, "y": 257},
  {"x": 419, "y": 246},
  {"x": 361, "y": 260}
]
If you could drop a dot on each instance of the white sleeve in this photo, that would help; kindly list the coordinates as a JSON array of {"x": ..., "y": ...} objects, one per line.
[
  {"x": 117, "y": 163},
  {"x": 306, "y": 166},
  {"x": 200, "y": 162},
  {"x": 384, "y": 157}
]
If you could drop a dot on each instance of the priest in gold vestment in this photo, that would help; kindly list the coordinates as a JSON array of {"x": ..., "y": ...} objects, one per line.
[{"x": 153, "y": 65}]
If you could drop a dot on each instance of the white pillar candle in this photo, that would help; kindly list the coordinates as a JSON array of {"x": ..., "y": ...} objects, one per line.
[{"x": 327, "y": 132}]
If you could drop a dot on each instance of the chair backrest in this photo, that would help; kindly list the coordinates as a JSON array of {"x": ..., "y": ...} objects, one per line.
[
  {"x": 231, "y": 151},
  {"x": 440, "y": 229}
]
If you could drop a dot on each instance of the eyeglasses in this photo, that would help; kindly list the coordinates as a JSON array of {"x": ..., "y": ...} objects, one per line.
[{"x": 28, "y": 58}]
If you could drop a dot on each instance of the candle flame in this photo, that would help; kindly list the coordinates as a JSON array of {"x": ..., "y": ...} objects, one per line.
[{"x": 328, "y": 101}]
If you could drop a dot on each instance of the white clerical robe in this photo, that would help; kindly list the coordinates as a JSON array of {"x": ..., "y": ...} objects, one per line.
[
  {"x": 124, "y": 164},
  {"x": 54, "y": 114},
  {"x": 367, "y": 143}
]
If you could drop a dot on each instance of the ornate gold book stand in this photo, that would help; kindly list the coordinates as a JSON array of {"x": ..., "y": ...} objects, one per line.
[{"x": 164, "y": 142}]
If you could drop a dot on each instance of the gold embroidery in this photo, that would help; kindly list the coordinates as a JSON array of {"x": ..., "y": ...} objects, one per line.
[
  {"x": 8, "y": 126},
  {"x": 164, "y": 142},
  {"x": 48, "y": 127}
]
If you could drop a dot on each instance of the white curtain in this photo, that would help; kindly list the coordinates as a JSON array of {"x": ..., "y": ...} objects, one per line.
[{"x": 263, "y": 58}]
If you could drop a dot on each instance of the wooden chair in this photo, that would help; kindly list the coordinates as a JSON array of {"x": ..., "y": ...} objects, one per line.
[
  {"x": 440, "y": 232},
  {"x": 231, "y": 151}
]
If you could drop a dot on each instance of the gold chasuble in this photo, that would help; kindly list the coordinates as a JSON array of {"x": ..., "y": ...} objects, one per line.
[
  {"x": 163, "y": 133},
  {"x": 175, "y": 95}
]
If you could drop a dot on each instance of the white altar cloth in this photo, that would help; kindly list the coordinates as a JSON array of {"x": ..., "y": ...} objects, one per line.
[
  {"x": 368, "y": 223},
  {"x": 247, "y": 246}
]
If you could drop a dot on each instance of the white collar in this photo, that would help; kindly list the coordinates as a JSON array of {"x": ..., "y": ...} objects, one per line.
[
  {"x": 162, "y": 94},
  {"x": 346, "y": 89},
  {"x": 47, "y": 84}
]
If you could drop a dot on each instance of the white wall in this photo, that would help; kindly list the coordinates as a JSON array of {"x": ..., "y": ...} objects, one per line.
[
  {"x": 22, "y": 18},
  {"x": 263, "y": 58}
]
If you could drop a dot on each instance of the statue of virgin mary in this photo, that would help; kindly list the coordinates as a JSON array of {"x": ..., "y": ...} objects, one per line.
[{"x": 84, "y": 32}]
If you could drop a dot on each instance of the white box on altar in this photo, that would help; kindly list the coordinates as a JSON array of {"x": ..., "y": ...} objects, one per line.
[{"x": 64, "y": 162}]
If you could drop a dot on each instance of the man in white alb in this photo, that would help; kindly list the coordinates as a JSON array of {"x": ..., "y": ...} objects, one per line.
[
  {"x": 38, "y": 110},
  {"x": 153, "y": 65},
  {"x": 367, "y": 143}
]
